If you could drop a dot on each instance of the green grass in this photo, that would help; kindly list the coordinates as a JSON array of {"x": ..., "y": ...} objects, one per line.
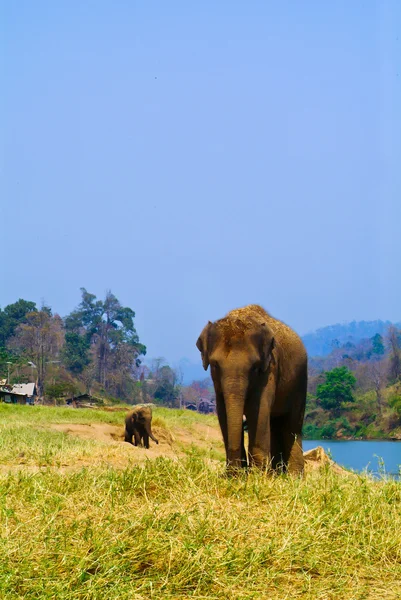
[
  {"x": 179, "y": 529},
  {"x": 42, "y": 415},
  {"x": 181, "y": 418},
  {"x": 27, "y": 445}
]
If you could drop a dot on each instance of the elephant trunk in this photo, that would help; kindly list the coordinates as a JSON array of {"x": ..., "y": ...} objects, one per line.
[
  {"x": 150, "y": 434},
  {"x": 235, "y": 402}
]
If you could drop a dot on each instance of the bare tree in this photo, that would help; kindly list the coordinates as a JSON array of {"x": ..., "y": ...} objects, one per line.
[
  {"x": 156, "y": 365},
  {"x": 378, "y": 375},
  {"x": 394, "y": 342},
  {"x": 40, "y": 339},
  {"x": 373, "y": 374}
]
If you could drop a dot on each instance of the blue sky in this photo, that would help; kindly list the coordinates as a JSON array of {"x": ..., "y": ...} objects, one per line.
[{"x": 196, "y": 157}]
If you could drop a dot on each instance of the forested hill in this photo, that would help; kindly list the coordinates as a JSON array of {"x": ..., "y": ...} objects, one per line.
[
  {"x": 318, "y": 343},
  {"x": 322, "y": 341}
]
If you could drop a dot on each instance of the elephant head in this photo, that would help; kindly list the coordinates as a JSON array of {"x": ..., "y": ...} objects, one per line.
[{"x": 239, "y": 356}]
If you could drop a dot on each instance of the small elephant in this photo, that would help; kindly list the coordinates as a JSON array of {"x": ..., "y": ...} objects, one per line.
[
  {"x": 138, "y": 426},
  {"x": 259, "y": 369}
]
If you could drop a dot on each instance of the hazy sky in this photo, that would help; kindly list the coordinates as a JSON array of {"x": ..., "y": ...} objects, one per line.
[{"x": 194, "y": 157}]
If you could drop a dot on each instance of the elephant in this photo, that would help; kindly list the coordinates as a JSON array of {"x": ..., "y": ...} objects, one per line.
[
  {"x": 259, "y": 370},
  {"x": 138, "y": 426}
]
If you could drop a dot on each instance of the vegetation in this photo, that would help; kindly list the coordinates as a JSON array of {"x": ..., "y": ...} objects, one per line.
[
  {"x": 96, "y": 347},
  {"x": 337, "y": 389},
  {"x": 354, "y": 389},
  {"x": 80, "y": 522}
]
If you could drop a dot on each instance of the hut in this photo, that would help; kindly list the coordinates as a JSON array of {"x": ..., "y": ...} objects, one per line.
[{"x": 19, "y": 393}]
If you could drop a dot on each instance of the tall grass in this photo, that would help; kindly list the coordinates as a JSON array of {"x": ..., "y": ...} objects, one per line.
[
  {"x": 180, "y": 529},
  {"x": 43, "y": 415}
]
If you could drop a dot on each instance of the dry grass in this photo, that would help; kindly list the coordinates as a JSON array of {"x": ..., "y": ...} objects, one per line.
[{"x": 179, "y": 529}]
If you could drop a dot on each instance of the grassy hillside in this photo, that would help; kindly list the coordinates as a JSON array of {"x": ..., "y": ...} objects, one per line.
[{"x": 85, "y": 516}]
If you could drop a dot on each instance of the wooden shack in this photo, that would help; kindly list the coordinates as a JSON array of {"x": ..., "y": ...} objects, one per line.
[{"x": 19, "y": 393}]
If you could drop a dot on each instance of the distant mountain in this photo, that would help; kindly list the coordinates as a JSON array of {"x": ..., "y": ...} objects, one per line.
[
  {"x": 318, "y": 343},
  {"x": 322, "y": 341}
]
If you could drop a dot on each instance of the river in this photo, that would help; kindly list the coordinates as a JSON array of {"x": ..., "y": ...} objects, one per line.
[{"x": 376, "y": 457}]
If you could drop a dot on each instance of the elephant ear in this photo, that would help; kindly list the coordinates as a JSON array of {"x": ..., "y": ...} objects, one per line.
[
  {"x": 267, "y": 346},
  {"x": 203, "y": 345}
]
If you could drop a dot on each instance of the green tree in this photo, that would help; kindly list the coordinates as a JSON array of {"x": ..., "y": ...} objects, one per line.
[
  {"x": 107, "y": 332},
  {"x": 166, "y": 389},
  {"x": 8, "y": 361},
  {"x": 395, "y": 403},
  {"x": 76, "y": 352},
  {"x": 336, "y": 390},
  {"x": 12, "y": 316},
  {"x": 60, "y": 389},
  {"x": 377, "y": 345}
]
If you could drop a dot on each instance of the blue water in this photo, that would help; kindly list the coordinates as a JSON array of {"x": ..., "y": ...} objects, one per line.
[{"x": 376, "y": 457}]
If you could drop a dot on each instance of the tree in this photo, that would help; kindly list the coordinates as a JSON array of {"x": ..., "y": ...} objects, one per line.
[
  {"x": 88, "y": 377},
  {"x": 166, "y": 389},
  {"x": 395, "y": 353},
  {"x": 39, "y": 339},
  {"x": 395, "y": 403},
  {"x": 378, "y": 376},
  {"x": 8, "y": 362},
  {"x": 105, "y": 331},
  {"x": 76, "y": 352},
  {"x": 337, "y": 389},
  {"x": 12, "y": 316},
  {"x": 377, "y": 345},
  {"x": 61, "y": 389}
]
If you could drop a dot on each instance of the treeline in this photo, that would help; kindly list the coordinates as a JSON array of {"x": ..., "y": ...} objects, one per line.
[
  {"x": 95, "y": 346},
  {"x": 95, "y": 350},
  {"x": 355, "y": 391},
  {"x": 322, "y": 341}
]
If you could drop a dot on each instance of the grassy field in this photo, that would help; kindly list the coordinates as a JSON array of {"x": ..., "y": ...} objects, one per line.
[{"x": 92, "y": 518}]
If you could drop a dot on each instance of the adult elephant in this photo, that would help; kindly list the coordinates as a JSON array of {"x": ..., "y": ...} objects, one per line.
[
  {"x": 138, "y": 425},
  {"x": 259, "y": 369}
]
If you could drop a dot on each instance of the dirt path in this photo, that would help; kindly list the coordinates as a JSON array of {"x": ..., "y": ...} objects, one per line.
[{"x": 172, "y": 446}]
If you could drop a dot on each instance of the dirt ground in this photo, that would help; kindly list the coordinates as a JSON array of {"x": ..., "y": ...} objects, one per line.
[
  {"x": 118, "y": 453},
  {"x": 114, "y": 452},
  {"x": 201, "y": 435}
]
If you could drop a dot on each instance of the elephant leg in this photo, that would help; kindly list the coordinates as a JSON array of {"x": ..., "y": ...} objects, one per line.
[
  {"x": 291, "y": 432},
  {"x": 276, "y": 444},
  {"x": 128, "y": 437},
  {"x": 292, "y": 429},
  {"x": 258, "y": 419},
  {"x": 259, "y": 441},
  {"x": 146, "y": 439},
  {"x": 222, "y": 417},
  {"x": 137, "y": 438}
]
